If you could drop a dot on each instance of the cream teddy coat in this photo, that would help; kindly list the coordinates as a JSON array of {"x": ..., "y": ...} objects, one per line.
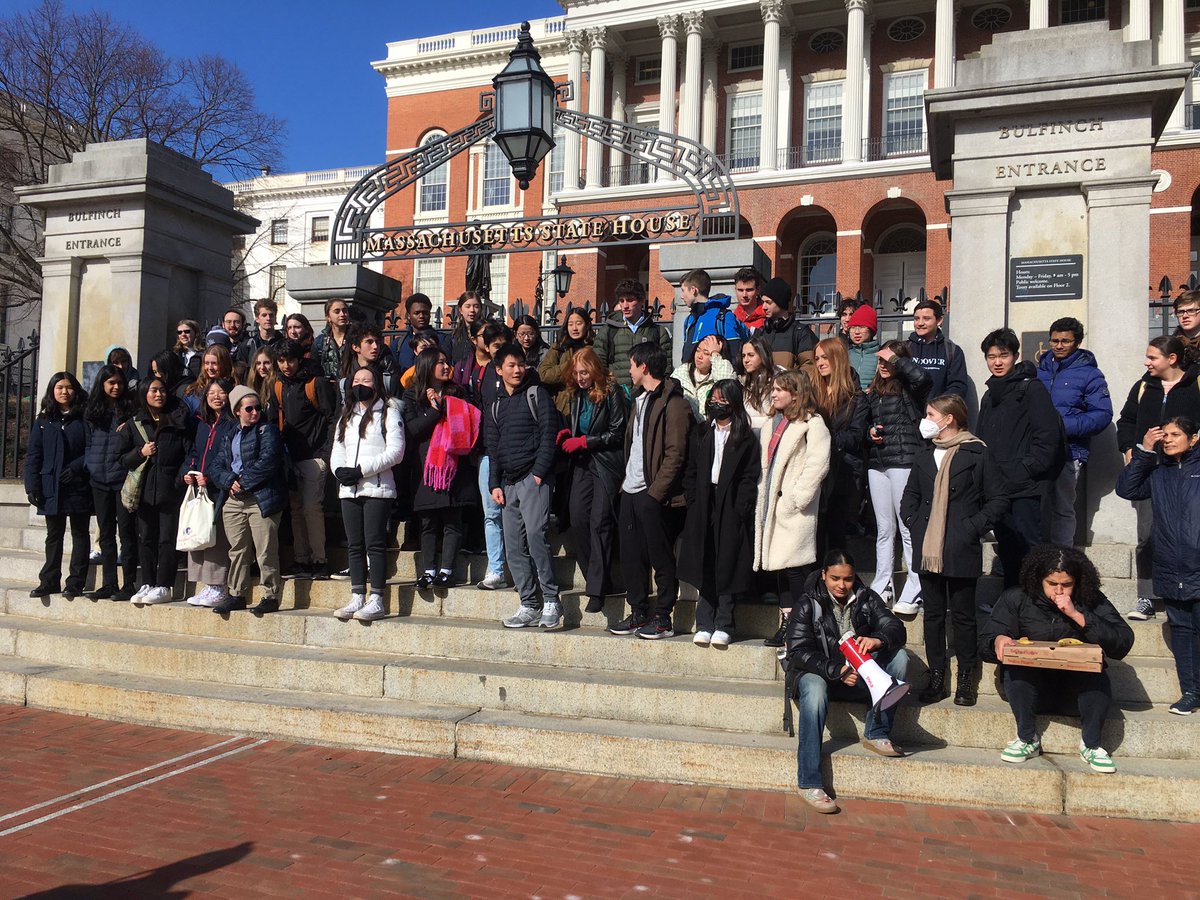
[{"x": 785, "y": 518}]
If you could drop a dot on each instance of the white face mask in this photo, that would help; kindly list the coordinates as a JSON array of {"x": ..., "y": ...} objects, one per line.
[{"x": 929, "y": 429}]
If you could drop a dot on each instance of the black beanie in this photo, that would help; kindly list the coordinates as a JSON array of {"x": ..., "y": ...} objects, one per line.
[{"x": 779, "y": 291}]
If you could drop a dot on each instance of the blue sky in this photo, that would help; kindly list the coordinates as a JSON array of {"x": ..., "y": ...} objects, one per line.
[{"x": 309, "y": 62}]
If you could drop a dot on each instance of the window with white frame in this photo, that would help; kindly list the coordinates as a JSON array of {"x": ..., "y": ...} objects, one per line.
[
  {"x": 818, "y": 271},
  {"x": 497, "y": 178},
  {"x": 278, "y": 278},
  {"x": 649, "y": 70},
  {"x": 558, "y": 159},
  {"x": 320, "y": 229},
  {"x": 745, "y": 56},
  {"x": 904, "y": 113},
  {"x": 429, "y": 279},
  {"x": 1072, "y": 11},
  {"x": 745, "y": 129},
  {"x": 823, "y": 121},
  {"x": 279, "y": 230},
  {"x": 499, "y": 272},
  {"x": 434, "y": 191}
]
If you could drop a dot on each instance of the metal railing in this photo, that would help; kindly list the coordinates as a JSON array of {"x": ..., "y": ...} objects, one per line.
[
  {"x": 1193, "y": 116},
  {"x": 894, "y": 146},
  {"x": 814, "y": 153},
  {"x": 19, "y": 395}
]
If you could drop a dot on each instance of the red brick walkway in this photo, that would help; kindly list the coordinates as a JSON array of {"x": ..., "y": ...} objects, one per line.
[{"x": 276, "y": 819}]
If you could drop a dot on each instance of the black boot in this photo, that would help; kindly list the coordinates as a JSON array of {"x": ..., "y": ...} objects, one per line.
[
  {"x": 776, "y": 640},
  {"x": 938, "y": 689},
  {"x": 965, "y": 694}
]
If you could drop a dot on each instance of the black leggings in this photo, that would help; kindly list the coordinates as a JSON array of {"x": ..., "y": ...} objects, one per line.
[
  {"x": 446, "y": 523},
  {"x": 366, "y": 519},
  {"x": 956, "y": 595}
]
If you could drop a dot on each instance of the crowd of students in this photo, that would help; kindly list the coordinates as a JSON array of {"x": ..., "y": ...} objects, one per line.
[{"x": 741, "y": 472}]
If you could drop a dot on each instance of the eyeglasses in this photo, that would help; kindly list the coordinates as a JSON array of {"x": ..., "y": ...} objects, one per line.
[
  {"x": 1190, "y": 311},
  {"x": 1058, "y": 341}
]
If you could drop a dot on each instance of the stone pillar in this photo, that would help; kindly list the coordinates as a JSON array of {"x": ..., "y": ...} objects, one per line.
[
  {"x": 691, "y": 90},
  {"x": 1039, "y": 14},
  {"x": 943, "y": 42},
  {"x": 768, "y": 153},
  {"x": 668, "y": 27},
  {"x": 1139, "y": 20},
  {"x": 708, "y": 118},
  {"x": 1173, "y": 51},
  {"x": 575, "y": 40},
  {"x": 597, "y": 65},
  {"x": 787, "y": 38},
  {"x": 620, "y": 72},
  {"x": 852, "y": 107}
]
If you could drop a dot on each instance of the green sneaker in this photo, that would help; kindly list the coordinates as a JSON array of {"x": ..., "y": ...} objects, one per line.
[
  {"x": 1018, "y": 751},
  {"x": 1097, "y": 758}
]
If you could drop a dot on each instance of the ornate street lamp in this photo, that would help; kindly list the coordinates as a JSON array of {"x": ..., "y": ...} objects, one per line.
[
  {"x": 524, "y": 109},
  {"x": 562, "y": 277}
]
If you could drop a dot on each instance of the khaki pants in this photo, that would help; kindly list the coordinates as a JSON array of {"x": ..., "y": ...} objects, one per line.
[
  {"x": 308, "y": 511},
  {"x": 250, "y": 535}
]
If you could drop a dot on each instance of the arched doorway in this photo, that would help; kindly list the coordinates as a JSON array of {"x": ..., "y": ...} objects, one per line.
[
  {"x": 808, "y": 257},
  {"x": 900, "y": 263}
]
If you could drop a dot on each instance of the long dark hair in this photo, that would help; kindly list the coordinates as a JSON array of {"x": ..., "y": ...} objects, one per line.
[
  {"x": 427, "y": 360},
  {"x": 49, "y": 408},
  {"x": 565, "y": 341},
  {"x": 100, "y": 409},
  {"x": 759, "y": 384},
  {"x": 170, "y": 369},
  {"x": 890, "y": 387},
  {"x": 1046, "y": 558},
  {"x": 206, "y": 411},
  {"x": 739, "y": 425},
  {"x": 351, "y": 403},
  {"x": 143, "y": 408},
  {"x": 531, "y": 322}
]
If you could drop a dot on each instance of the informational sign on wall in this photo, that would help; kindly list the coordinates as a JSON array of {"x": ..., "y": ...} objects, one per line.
[{"x": 1045, "y": 278}]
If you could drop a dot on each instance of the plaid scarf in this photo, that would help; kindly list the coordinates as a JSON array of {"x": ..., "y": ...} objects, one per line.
[{"x": 453, "y": 436}]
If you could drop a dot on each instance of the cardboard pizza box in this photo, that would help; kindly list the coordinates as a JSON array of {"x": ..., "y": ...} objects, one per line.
[{"x": 1052, "y": 655}]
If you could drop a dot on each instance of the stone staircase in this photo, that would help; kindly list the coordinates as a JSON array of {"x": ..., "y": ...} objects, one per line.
[{"x": 440, "y": 677}]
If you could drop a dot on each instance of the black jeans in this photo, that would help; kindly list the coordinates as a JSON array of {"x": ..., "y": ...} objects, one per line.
[
  {"x": 717, "y": 616},
  {"x": 591, "y": 529},
  {"x": 158, "y": 526},
  {"x": 56, "y": 531},
  {"x": 1031, "y": 691},
  {"x": 1016, "y": 533},
  {"x": 366, "y": 520},
  {"x": 446, "y": 523},
  {"x": 115, "y": 520},
  {"x": 787, "y": 584},
  {"x": 956, "y": 595},
  {"x": 648, "y": 533}
]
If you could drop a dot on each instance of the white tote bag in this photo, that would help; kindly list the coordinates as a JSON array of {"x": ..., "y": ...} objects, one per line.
[{"x": 197, "y": 521}]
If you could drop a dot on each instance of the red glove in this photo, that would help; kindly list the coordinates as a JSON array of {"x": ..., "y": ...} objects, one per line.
[
  {"x": 571, "y": 445},
  {"x": 562, "y": 436}
]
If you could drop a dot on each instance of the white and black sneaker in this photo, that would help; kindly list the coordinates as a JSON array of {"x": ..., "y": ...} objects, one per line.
[
  {"x": 1143, "y": 611},
  {"x": 342, "y": 575}
]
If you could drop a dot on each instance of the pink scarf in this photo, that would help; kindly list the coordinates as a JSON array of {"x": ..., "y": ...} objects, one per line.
[{"x": 453, "y": 436}]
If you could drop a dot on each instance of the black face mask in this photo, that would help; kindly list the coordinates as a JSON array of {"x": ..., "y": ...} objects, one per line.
[
  {"x": 720, "y": 411},
  {"x": 362, "y": 393}
]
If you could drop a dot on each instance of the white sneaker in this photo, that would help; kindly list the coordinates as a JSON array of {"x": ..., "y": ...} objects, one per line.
[
  {"x": 493, "y": 581},
  {"x": 348, "y": 611},
  {"x": 200, "y": 596},
  {"x": 372, "y": 609},
  {"x": 157, "y": 595},
  {"x": 216, "y": 596},
  {"x": 139, "y": 595},
  {"x": 95, "y": 556},
  {"x": 720, "y": 639},
  {"x": 702, "y": 638},
  {"x": 901, "y": 608}
]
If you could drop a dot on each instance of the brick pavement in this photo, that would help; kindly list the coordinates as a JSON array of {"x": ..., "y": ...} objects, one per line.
[{"x": 278, "y": 819}]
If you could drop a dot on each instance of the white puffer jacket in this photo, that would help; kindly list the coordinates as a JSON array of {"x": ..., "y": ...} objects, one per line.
[
  {"x": 375, "y": 453},
  {"x": 785, "y": 518}
]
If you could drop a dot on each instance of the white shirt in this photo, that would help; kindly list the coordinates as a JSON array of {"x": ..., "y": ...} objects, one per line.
[
  {"x": 939, "y": 453},
  {"x": 720, "y": 439}
]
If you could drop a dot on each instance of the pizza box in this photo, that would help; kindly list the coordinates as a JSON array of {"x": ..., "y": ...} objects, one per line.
[{"x": 1052, "y": 655}]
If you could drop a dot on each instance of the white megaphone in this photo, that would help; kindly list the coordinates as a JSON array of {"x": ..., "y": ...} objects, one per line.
[{"x": 886, "y": 691}]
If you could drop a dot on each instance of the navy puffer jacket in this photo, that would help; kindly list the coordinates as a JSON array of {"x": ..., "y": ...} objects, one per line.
[
  {"x": 55, "y": 468},
  {"x": 1175, "y": 489},
  {"x": 1080, "y": 394},
  {"x": 104, "y": 454},
  {"x": 262, "y": 466}
]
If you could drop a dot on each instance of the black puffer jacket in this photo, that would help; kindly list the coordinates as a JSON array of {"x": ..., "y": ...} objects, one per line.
[
  {"x": 1018, "y": 615},
  {"x": 1145, "y": 407},
  {"x": 1023, "y": 430},
  {"x": 103, "y": 454},
  {"x": 899, "y": 415},
  {"x": 1174, "y": 486},
  {"x": 605, "y": 453},
  {"x": 162, "y": 482},
  {"x": 518, "y": 442},
  {"x": 812, "y": 635}
]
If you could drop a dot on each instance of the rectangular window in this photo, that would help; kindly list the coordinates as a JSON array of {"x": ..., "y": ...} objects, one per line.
[
  {"x": 904, "y": 113},
  {"x": 745, "y": 130},
  {"x": 278, "y": 277},
  {"x": 497, "y": 178},
  {"x": 279, "y": 231},
  {"x": 320, "y": 229},
  {"x": 746, "y": 56},
  {"x": 558, "y": 160},
  {"x": 823, "y": 122},
  {"x": 429, "y": 279},
  {"x": 1072, "y": 11},
  {"x": 499, "y": 272},
  {"x": 435, "y": 190},
  {"x": 649, "y": 70}
]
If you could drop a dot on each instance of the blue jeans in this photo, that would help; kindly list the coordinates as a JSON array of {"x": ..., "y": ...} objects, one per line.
[
  {"x": 493, "y": 527},
  {"x": 814, "y": 693}
]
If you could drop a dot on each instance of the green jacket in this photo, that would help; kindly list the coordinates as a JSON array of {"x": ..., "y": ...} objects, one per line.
[{"x": 616, "y": 339}]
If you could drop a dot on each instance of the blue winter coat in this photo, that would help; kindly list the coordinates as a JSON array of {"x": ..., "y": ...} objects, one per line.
[
  {"x": 57, "y": 451},
  {"x": 262, "y": 466},
  {"x": 104, "y": 455},
  {"x": 715, "y": 316},
  {"x": 1175, "y": 489},
  {"x": 1080, "y": 394}
]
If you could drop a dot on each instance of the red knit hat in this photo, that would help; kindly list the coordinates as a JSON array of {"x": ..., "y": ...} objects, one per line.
[{"x": 865, "y": 316}]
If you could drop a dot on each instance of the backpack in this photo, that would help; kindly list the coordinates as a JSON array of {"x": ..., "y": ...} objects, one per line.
[
  {"x": 310, "y": 391},
  {"x": 697, "y": 327}
]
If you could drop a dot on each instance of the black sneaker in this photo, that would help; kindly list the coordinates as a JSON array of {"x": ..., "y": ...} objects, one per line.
[
  {"x": 656, "y": 629},
  {"x": 629, "y": 625},
  {"x": 443, "y": 580},
  {"x": 229, "y": 604},
  {"x": 1186, "y": 705},
  {"x": 776, "y": 640},
  {"x": 104, "y": 592},
  {"x": 319, "y": 571},
  {"x": 343, "y": 575},
  {"x": 425, "y": 582},
  {"x": 124, "y": 594}
]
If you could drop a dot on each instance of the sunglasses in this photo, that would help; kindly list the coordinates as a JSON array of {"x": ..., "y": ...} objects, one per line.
[
  {"x": 184, "y": 331},
  {"x": 249, "y": 408}
]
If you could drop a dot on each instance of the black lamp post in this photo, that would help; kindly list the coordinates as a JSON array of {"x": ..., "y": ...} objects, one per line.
[
  {"x": 562, "y": 277},
  {"x": 524, "y": 109}
]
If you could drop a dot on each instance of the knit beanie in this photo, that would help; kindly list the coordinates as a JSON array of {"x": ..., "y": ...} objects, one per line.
[
  {"x": 779, "y": 291},
  {"x": 218, "y": 335},
  {"x": 865, "y": 316},
  {"x": 238, "y": 394}
]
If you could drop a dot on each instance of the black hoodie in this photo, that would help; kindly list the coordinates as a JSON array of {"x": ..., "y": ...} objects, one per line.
[{"x": 1023, "y": 430}]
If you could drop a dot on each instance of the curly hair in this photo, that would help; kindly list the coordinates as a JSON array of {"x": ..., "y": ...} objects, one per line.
[{"x": 1046, "y": 558}]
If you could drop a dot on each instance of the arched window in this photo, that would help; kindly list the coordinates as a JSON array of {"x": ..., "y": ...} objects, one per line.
[
  {"x": 818, "y": 271},
  {"x": 433, "y": 196},
  {"x": 904, "y": 239}
]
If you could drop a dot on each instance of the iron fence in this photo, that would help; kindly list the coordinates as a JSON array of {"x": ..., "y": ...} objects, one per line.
[{"x": 19, "y": 393}]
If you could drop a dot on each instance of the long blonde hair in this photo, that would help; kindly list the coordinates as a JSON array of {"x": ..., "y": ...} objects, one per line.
[
  {"x": 835, "y": 391},
  {"x": 199, "y": 387},
  {"x": 263, "y": 385}
]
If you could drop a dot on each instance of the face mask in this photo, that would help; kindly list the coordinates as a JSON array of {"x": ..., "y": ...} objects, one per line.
[
  {"x": 720, "y": 411},
  {"x": 929, "y": 429},
  {"x": 362, "y": 393}
]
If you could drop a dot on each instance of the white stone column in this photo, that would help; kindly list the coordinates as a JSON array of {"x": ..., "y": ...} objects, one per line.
[
  {"x": 575, "y": 40},
  {"x": 943, "y": 43},
  {"x": 852, "y": 96},
  {"x": 668, "y": 28},
  {"x": 1139, "y": 20},
  {"x": 620, "y": 67},
  {"x": 708, "y": 117},
  {"x": 691, "y": 90},
  {"x": 768, "y": 154},
  {"x": 787, "y": 38},
  {"x": 1173, "y": 51},
  {"x": 596, "y": 72},
  {"x": 1039, "y": 14}
]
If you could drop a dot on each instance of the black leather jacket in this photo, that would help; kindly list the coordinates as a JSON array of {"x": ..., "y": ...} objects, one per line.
[
  {"x": 812, "y": 635},
  {"x": 605, "y": 454}
]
